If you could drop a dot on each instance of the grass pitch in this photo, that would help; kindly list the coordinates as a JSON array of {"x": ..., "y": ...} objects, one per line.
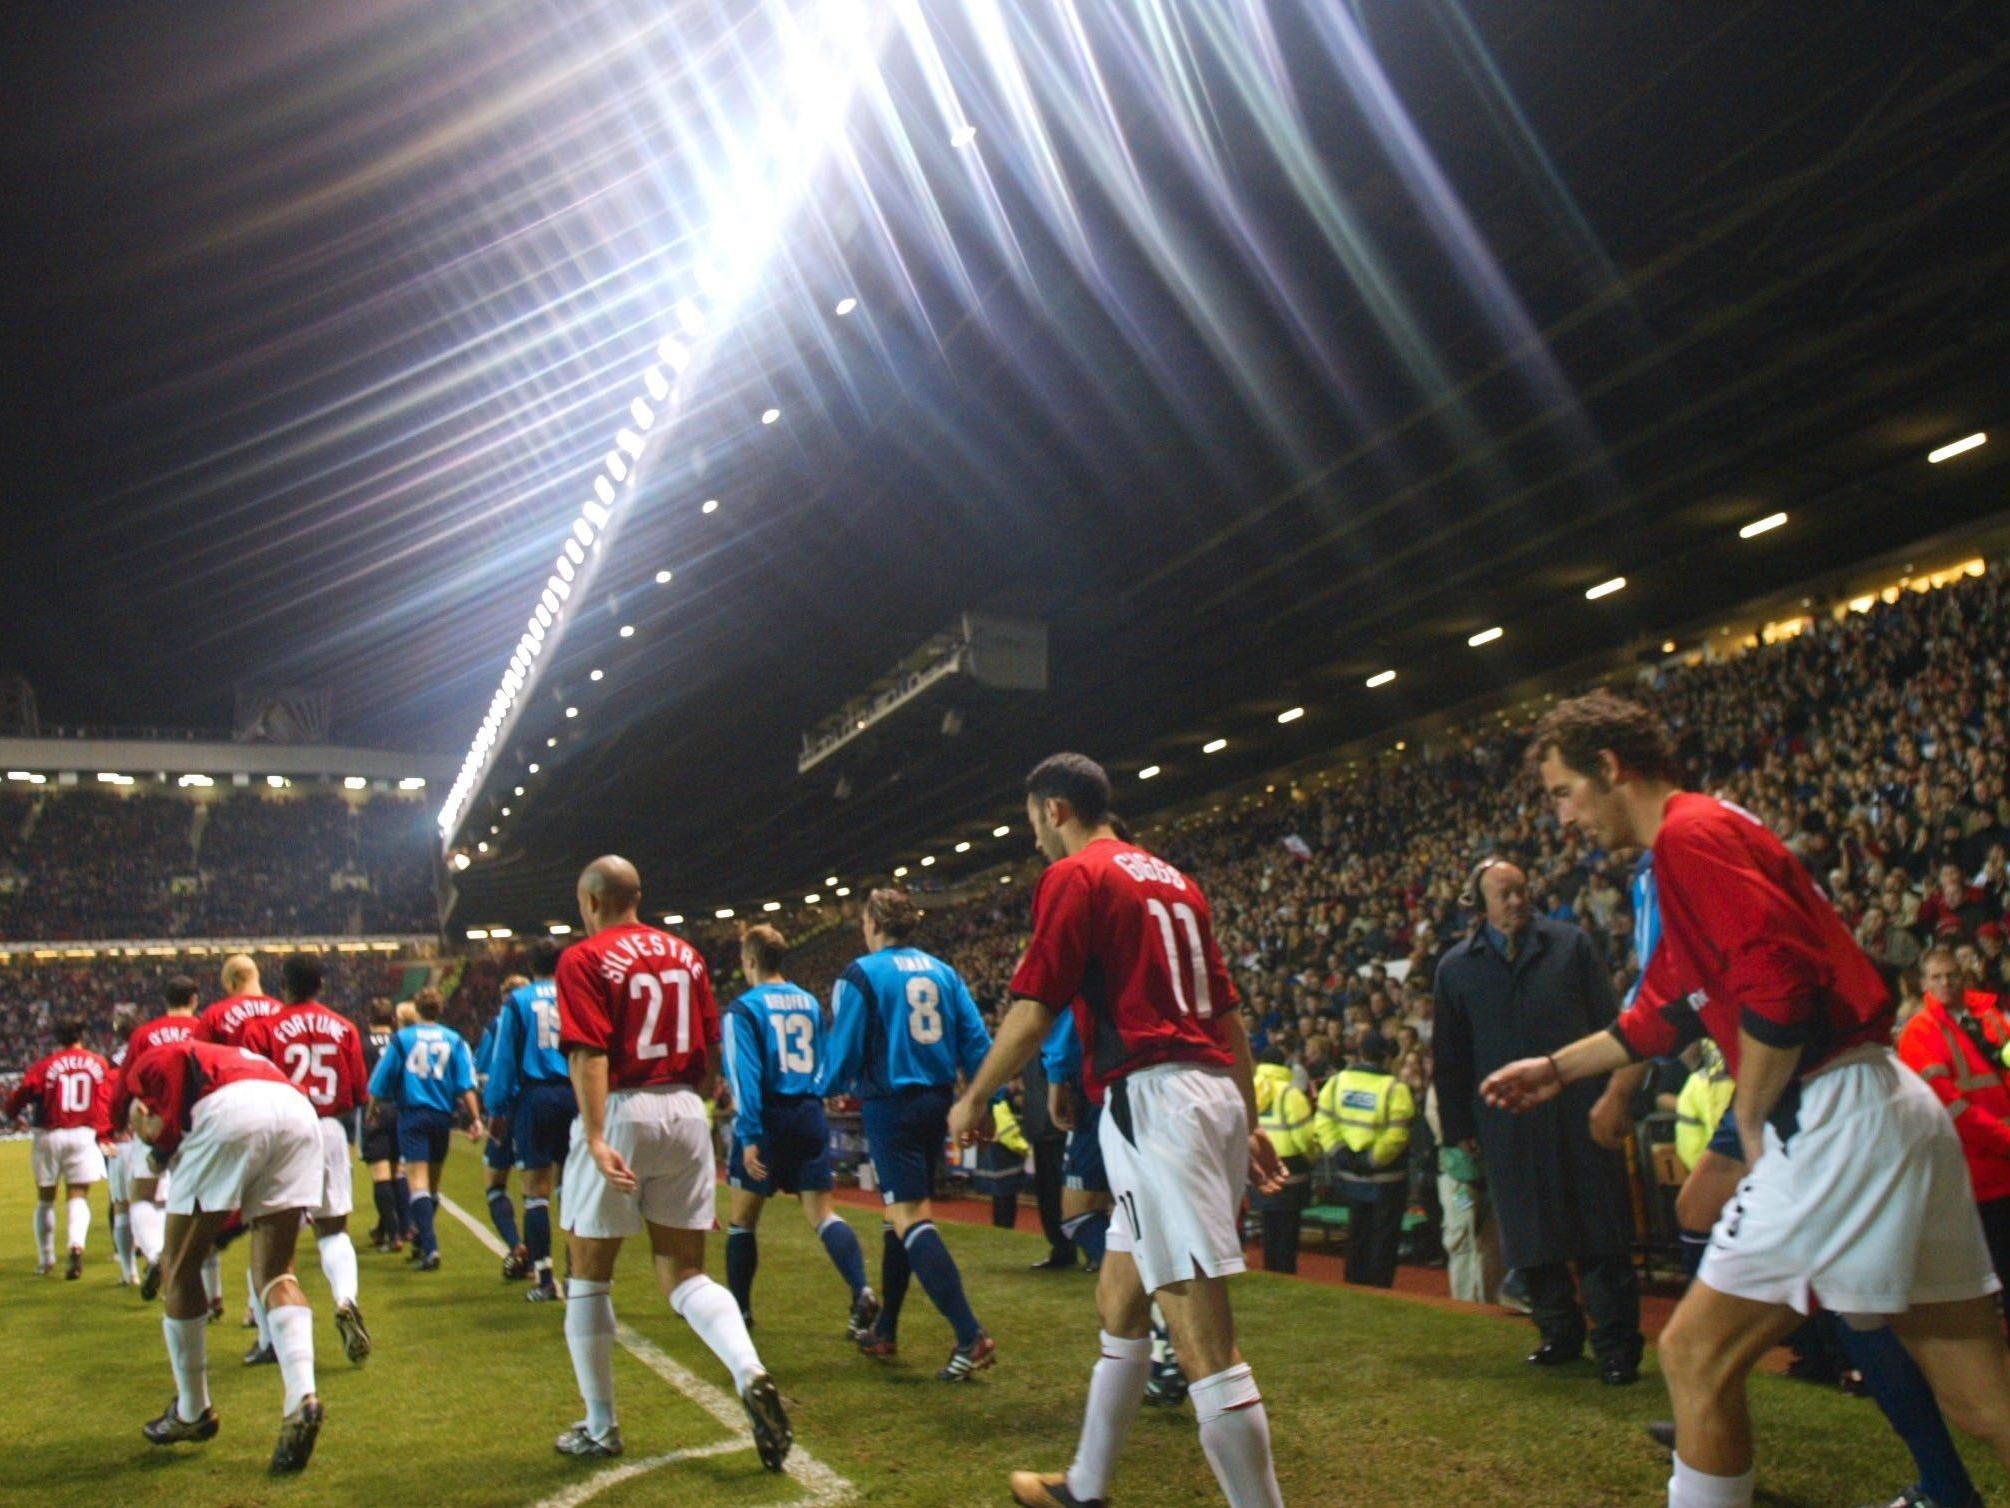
[{"x": 1373, "y": 1400}]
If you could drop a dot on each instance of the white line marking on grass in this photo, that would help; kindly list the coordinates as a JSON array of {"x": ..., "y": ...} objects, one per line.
[
  {"x": 822, "y": 1487},
  {"x": 594, "y": 1485}
]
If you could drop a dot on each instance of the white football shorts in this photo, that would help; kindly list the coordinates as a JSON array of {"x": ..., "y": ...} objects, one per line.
[
  {"x": 1177, "y": 1171},
  {"x": 338, "y": 1182},
  {"x": 662, "y": 1134},
  {"x": 252, "y": 1146},
  {"x": 70, "y": 1156},
  {"x": 1867, "y": 1208}
]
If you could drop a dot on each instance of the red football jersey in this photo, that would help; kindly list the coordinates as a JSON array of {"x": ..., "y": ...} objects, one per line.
[
  {"x": 145, "y": 1038},
  {"x": 178, "y": 1075},
  {"x": 319, "y": 1049},
  {"x": 645, "y": 999},
  {"x": 1127, "y": 941},
  {"x": 226, "y": 1019},
  {"x": 1747, "y": 941},
  {"x": 74, "y": 1089}
]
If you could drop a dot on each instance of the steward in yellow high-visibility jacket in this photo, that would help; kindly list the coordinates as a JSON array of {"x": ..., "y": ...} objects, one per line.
[
  {"x": 1699, "y": 1108},
  {"x": 1363, "y": 1124},
  {"x": 1001, "y": 1162},
  {"x": 1284, "y": 1114}
]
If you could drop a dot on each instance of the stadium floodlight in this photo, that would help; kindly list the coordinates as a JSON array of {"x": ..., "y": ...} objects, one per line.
[
  {"x": 582, "y": 532},
  {"x": 900, "y": 871},
  {"x": 354, "y": 782},
  {"x": 1605, "y": 588},
  {"x": 481, "y": 847},
  {"x": 963, "y": 135},
  {"x": 559, "y": 929},
  {"x": 617, "y": 465},
  {"x": 1290, "y": 714},
  {"x": 674, "y": 919},
  {"x": 552, "y": 742},
  {"x": 1380, "y": 678},
  {"x": 845, "y": 306},
  {"x": 519, "y": 790},
  {"x": 501, "y": 932},
  {"x": 1667, "y": 646},
  {"x": 1955, "y": 448},
  {"x": 772, "y": 906},
  {"x": 197, "y": 782},
  {"x": 658, "y": 385},
  {"x": 1004, "y": 879},
  {"x": 1214, "y": 746},
  {"x": 565, "y": 569},
  {"x": 1002, "y": 830},
  {"x": 842, "y": 891},
  {"x": 628, "y": 440},
  {"x": 963, "y": 847},
  {"x": 1760, "y": 526},
  {"x": 710, "y": 505},
  {"x": 572, "y": 712},
  {"x": 770, "y": 415},
  {"x": 1484, "y": 636},
  {"x": 505, "y": 811},
  {"x": 724, "y": 913},
  {"x": 532, "y": 767},
  {"x": 478, "y": 934},
  {"x": 462, "y": 861},
  {"x": 277, "y": 782},
  {"x": 690, "y": 318},
  {"x": 412, "y": 783},
  {"x": 544, "y": 617},
  {"x": 927, "y": 859},
  {"x": 628, "y": 630},
  {"x": 574, "y": 555},
  {"x": 595, "y": 515},
  {"x": 595, "y": 674},
  {"x": 662, "y": 578},
  {"x": 1149, "y": 772},
  {"x": 549, "y": 601},
  {"x": 673, "y": 353},
  {"x": 603, "y": 489},
  {"x": 644, "y": 416},
  {"x": 812, "y": 898}
]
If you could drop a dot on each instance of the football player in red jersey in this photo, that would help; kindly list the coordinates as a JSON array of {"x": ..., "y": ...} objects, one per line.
[
  {"x": 322, "y": 1052},
  {"x": 244, "y": 1001},
  {"x": 640, "y": 1029},
  {"x": 1858, "y": 1194},
  {"x": 71, "y": 1089},
  {"x": 148, "y": 1190},
  {"x": 244, "y": 1142},
  {"x": 1127, "y": 941}
]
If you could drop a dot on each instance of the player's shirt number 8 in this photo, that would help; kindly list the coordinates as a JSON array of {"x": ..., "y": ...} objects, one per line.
[{"x": 924, "y": 1010}]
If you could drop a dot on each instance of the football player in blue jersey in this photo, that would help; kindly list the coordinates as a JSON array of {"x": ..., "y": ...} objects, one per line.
[
  {"x": 497, "y": 1156},
  {"x": 1085, "y": 1196},
  {"x": 904, "y": 1028},
  {"x": 775, "y": 1038},
  {"x": 530, "y": 1103},
  {"x": 427, "y": 1070}
]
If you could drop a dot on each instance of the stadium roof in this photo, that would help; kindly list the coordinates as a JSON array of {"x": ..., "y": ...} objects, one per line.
[{"x": 1257, "y": 349}]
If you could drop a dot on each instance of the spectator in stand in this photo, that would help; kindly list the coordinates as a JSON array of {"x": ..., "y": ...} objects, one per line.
[
  {"x": 1891, "y": 947},
  {"x": 1956, "y": 908},
  {"x": 1521, "y": 987}
]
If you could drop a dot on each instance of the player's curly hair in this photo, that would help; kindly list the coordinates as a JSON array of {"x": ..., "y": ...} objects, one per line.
[
  {"x": 893, "y": 912},
  {"x": 1577, "y": 731}
]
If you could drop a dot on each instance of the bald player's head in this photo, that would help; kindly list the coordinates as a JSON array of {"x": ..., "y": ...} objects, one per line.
[
  {"x": 240, "y": 975},
  {"x": 609, "y": 892}
]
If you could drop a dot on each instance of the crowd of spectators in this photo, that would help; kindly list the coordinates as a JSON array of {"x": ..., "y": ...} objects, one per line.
[{"x": 97, "y": 864}]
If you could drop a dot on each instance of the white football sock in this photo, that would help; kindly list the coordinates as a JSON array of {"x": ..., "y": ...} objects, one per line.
[
  {"x": 1116, "y": 1390},
  {"x": 80, "y": 1221},
  {"x": 1690, "y": 1488},
  {"x": 258, "y": 1311},
  {"x": 710, "y": 1309},
  {"x": 1235, "y": 1434},
  {"x": 149, "y": 1229},
  {"x": 188, "y": 1354},
  {"x": 212, "y": 1276},
  {"x": 122, "y": 1242},
  {"x": 45, "y": 1232},
  {"x": 338, "y": 1266},
  {"x": 589, "y": 1336},
  {"x": 292, "y": 1328}
]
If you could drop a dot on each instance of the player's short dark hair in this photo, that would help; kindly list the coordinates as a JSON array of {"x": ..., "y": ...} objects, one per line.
[
  {"x": 1075, "y": 779},
  {"x": 428, "y": 1003},
  {"x": 300, "y": 976},
  {"x": 383, "y": 1012},
  {"x": 179, "y": 991},
  {"x": 1577, "y": 731},
  {"x": 893, "y": 912},
  {"x": 69, "y": 1030},
  {"x": 765, "y": 948},
  {"x": 544, "y": 957},
  {"x": 1273, "y": 1054}
]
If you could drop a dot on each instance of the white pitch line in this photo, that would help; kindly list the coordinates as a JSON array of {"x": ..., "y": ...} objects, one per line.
[
  {"x": 594, "y": 1485},
  {"x": 822, "y": 1487}
]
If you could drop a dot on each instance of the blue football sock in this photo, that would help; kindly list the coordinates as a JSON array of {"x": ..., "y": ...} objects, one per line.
[
  {"x": 1901, "y": 1390},
  {"x": 930, "y": 1259},
  {"x": 537, "y": 1231},
  {"x": 422, "y": 1222},
  {"x": 401, "y": 1197},
  {"x": 845, "y": 1253},
  {"x": 743, "y": 1258},
  {"x": 503, "y": 1213},
  {"x": 1091, "y": 1232},
  {"x": 1694, "y": 1244},
  {"x": 894, "y": 1272}
]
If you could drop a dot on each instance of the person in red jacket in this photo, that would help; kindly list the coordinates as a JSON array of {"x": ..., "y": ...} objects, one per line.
[
  {"x": 322, "y": 1052},
  {"x": 1956, "y": 1044},
  {"x": 243, "y": 1141},
  {"x": 71, "y": 1090}
]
